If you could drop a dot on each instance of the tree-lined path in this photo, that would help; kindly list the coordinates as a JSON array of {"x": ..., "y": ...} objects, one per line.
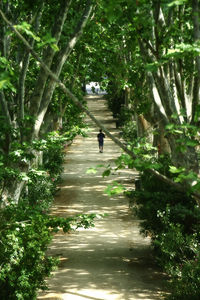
[{"x": 111, "y": 261}]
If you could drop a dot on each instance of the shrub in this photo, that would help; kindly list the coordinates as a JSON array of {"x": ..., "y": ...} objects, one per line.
[
  {"x": 53, "y": 155},
  {"x": 185, "y": 285},
  {"x": 53, "y": 151},
  {"x": 172, "y": 219},
  {"x": 179, "y": 257},
  {"x": 25, "y": 235},
  {"x": 24, "y": 240},
  {"x": 39, "y": 190}
]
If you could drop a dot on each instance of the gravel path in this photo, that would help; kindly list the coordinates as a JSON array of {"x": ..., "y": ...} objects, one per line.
[{"x": 111, "y": 261}]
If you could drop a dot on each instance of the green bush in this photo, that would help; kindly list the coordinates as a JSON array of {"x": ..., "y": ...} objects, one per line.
[
  {"x": 172, "y": 219},
  {"x": 24, "y": 264},
  {"x": 116, "y": 99},
  {"x": 129, "y": 130},
  {"x": 39, "y": 190},
  {"x": 25, "y": 235},
  {"x": 179, "y": 257},
  {"x": 53, "y": 155},
  {"x": 53, "y": 151},
  {"x": 185, "y": 285},
  {"x": 154, "y": 201}
]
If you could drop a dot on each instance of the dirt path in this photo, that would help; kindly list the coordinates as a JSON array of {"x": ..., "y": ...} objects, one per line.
[{"x": 111, "y": 261}]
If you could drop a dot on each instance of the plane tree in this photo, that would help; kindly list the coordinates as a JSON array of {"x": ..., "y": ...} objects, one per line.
[
  {"x": 52, "y": 28},
  {"x": 152, "y": 53}
]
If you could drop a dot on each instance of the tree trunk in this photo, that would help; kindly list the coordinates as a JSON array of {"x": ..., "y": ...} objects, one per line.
[
  {"x": 58, "y": 65},
  {"x": 162, "y": 142},
  {"x": 127, "y": 96},
  {"x": 12, "y": 192},
  {"x": 48, "y": 58}
]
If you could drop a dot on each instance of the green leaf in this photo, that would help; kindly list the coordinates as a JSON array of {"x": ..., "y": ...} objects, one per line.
[
  {"x": 3, "y": 83},
  {"x": 175, "y": 170},
  {"x": 169, "y": 126},
  {"x": 152, "y": 67},
  {"x": 25, "y": 27},
  {"x": 100, "y": 166},
  {"x": 106, "y": 173},
  {"x": 114, "y": 189},
  {"x": 177, "y": 2},
  {"x": 54, "y": 47},
  {"x": 49, "y": 40},
  {"x": 192, "y": 143},
  {"x": 178, "y": 131},
  {"x": 24, "y": 176},
  {"x": 91, "y": 171}
]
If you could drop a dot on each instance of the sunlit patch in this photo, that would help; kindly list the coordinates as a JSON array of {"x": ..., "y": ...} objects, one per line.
[{"x": 94, "y": 294}]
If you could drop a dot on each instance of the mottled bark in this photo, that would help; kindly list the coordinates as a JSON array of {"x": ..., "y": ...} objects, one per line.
[
  {"x": 4, "y": 106},
  {"x": 25, "y": 65},
  {"x": 11, "y": 192},
  {"x": 127, "y": 96},
  {"x": 195, "y": 15},
  {"x": 196, "y": 93},
  {"x": 144, "y": 128},
  {"x": 5, "y": 39},
  {"x": 168, "y": 86},
  {"x": 162, "y": 142}
]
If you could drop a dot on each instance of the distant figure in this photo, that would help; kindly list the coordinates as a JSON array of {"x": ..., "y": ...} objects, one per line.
[{"x": 100, "y": 137}]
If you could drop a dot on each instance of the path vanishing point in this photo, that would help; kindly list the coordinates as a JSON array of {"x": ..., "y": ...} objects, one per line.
[{"x": 111, "y": 261}]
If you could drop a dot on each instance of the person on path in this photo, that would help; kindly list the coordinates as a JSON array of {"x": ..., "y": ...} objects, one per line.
[{"x": 100, "y": 137}]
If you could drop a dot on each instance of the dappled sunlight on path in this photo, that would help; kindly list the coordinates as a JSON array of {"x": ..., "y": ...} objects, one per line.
[{"x": 111, "y": 261}]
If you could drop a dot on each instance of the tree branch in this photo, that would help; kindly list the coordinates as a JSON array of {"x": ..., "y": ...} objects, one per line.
[
  {"x": 64, "y": 54},
  {"x": 195, "y": 13},
  {"x": 5, "y": 108},
  {"x": 48, "y": 58},
  {"x": 153, "y": 51},
  {"x": 195, "y": 99},
  {"x": 25, "y": 64}
]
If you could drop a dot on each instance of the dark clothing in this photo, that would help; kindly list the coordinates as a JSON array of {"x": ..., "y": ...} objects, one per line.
[{"x": 100, "y": 137}]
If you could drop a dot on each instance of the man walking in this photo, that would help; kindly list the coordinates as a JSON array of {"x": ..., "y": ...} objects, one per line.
[{"x": 100, "y": 138}]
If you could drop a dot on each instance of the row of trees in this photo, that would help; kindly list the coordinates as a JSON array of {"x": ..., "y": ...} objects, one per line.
[
  {"x": 30, "y": 105},
  {"x": 150, "y": 53},
  {"x": 145, "y": 53},
  {"x": 146, "y": 56}
]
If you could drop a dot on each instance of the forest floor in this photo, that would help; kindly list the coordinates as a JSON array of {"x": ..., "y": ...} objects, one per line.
[{"x": 111, "y": 261}]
